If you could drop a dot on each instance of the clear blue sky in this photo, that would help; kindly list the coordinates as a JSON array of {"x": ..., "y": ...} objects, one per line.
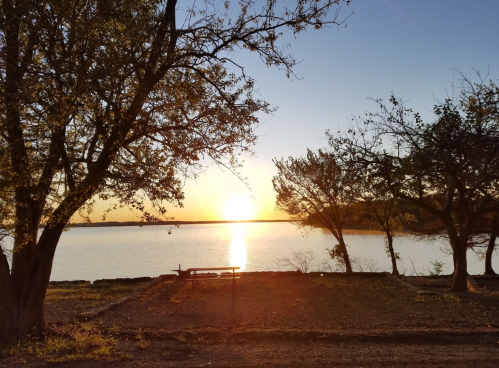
[{"x": 410, "y": 47}]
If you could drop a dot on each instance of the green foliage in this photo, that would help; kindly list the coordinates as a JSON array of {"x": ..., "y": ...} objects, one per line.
[
  {"x": 437, "y": 268},
  {"x": 336, "y": 254},
  {"x": 387, "y": 249}
]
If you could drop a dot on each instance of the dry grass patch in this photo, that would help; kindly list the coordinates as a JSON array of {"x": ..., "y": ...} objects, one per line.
[
  {"x": 98, "y": 292},
  {"x": 64, "y": 302},
  {"x": 72, "y": 342}
]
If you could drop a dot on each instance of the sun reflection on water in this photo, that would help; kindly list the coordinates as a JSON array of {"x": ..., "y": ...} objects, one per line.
[{"x": 238, "y": 253}]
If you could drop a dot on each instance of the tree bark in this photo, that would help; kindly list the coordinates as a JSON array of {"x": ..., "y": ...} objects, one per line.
[
  {"x": 346, "y": 257},
  {"x": 494, "y": 232},
  {"x": 22, "y": 302},
  {"x": 389, "y": 239},
  {"x": 460, "y": 278},
  {"x": 459, "y": 244},
  {"x": 7, "y": 301}
]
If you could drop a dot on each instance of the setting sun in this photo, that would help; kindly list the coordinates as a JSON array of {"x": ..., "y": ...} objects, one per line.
[{"x": 238, "y": 208}]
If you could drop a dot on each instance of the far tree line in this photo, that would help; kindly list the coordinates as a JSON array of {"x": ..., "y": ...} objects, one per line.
[{"x": 391, "y": 169}]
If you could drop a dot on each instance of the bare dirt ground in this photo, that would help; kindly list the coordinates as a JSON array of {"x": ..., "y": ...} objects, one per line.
[{"x": 289, "y": 320}]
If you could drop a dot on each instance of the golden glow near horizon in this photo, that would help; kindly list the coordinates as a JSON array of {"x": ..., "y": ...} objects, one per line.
[
  {"x": 238, "y": 253},
  {"x": 212, "y": 197},
  {"x": 238, "y": 208}
]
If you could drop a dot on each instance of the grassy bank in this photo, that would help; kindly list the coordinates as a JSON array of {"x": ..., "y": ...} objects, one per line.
[{"x": 267, "y": 317}]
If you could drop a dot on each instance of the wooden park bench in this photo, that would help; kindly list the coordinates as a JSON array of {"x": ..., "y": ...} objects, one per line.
[{"x": 191, "y": 274}]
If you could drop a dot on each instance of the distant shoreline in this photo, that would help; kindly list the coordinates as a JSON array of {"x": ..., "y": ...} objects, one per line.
[
  {"x": 171, "y": 223},
  {"x": 352, "y": 231}
]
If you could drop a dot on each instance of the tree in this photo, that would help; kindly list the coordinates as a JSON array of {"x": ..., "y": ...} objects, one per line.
[
  {"x": 449, "y": 167},
  {"x": 491, "y": 244},
  {"x": 120, "y": 99},
  {"x": 317, "y": 189},
  {"x": 485, "y": 236},
  {"x": 381, "y": 210}
]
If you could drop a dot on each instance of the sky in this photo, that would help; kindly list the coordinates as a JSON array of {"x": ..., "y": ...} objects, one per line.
[{"x": 414, "y": 49}]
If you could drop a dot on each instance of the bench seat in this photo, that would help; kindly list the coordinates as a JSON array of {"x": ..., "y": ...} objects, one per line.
[
  {"x": 212, "y": 278},
  {"x": 192, "y": 275}
]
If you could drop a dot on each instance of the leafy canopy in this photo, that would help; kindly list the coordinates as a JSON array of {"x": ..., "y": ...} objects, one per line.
[{"x": 124, "y": 98}]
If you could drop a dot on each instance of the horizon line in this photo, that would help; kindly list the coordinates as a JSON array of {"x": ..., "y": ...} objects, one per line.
[{"x": 167, "y": 222}]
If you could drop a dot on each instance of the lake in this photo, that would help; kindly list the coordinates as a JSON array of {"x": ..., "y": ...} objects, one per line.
[{"x": 130, "y": 251}]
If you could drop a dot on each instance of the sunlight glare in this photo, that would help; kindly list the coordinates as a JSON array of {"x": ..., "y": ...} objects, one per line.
[
  {"x": 238, "y": 208},
  {"x": 238, "y": 253}
]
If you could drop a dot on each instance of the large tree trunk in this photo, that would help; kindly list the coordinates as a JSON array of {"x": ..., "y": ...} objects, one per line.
[
  {"x": 494, "y": 231},
  {"x": 7, "y": 300},
  {"x": 340, "y": 249},
  {"x": 459, "y": 244},
  {"x": 23, "y": 297},
  {"x": 344, "y": 251},
  {"x": 460, "y": 279},
  {"x": 389, "y": 242},
  {"x": 23, "y": 318}
]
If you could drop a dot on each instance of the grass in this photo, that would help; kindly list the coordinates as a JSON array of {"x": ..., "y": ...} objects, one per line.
[
  {"x": 154, "y": 293},
  {"x": 141, "y": 343},
  {"x": 77, "y": 341},
  {"x": 263, "y": 302},
  {"x": 98, "y": 292},
  {"x": 72, "y": 342}
]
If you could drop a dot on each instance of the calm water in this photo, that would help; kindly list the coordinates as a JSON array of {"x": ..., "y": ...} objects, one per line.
[{"x": 111, "y": 252}]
